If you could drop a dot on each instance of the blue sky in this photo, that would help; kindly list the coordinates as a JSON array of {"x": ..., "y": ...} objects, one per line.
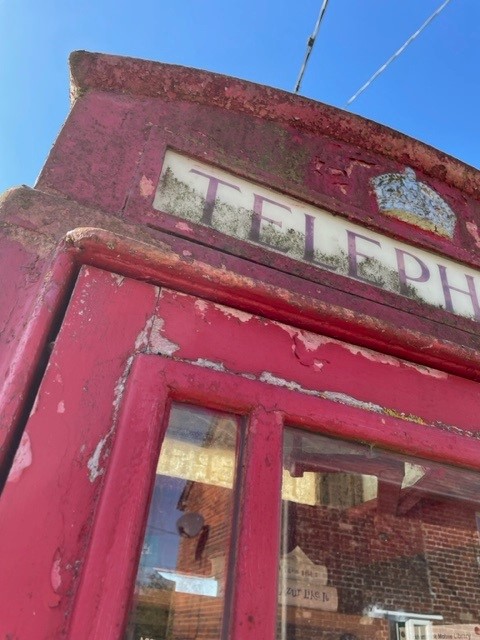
[{"x": 431, "y": 92}]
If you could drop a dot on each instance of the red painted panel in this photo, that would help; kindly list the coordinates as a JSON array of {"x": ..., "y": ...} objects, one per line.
[
  {"x": 103, "y": 599},
  {"x": 94, "y": 159},
  {"x": 195, "y": 329},
  {"x": 332, "y": 416},
  {"x": 33, "y": 310},
  {"x": 111, "y": 564},
  {"x": 49, "y": 501},
  {"x": 256, "y": 569},
  {"x": 213, "y": 356}
]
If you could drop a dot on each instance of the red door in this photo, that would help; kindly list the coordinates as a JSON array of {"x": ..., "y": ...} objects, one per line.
[{"x": 191, "y": 471}]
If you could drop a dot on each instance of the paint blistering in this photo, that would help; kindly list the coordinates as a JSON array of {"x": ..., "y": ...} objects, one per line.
[
  {"x": 159, "y": 344},
  {"x": 61, "y": 407},
  {"x": 22, "y": 460}
]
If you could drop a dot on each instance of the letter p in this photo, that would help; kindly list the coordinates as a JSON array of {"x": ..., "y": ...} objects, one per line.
[{"x": 421, "y": 275}]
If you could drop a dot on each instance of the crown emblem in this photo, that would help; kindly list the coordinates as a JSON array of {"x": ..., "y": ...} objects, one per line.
[{"x": 401, "y": 195}]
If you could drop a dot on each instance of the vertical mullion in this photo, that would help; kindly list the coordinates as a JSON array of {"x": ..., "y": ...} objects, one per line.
[
  {"x": 111, "y": 564},
  {"x": 256, "y": 576}
]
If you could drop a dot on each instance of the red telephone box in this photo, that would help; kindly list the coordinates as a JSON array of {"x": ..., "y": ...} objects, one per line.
[{"x": 240, "y": 372}]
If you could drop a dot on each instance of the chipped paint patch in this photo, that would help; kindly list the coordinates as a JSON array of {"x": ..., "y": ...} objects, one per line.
[
  {"x": 311, "y": 341},
  {"x": 35, "y": 405},
  {"x": 147, "y": 187},
  {"x": 142, "y": 339},
  {"x": 201, "y": 306},
  {"x": 61, "y": 407},
  {"x": 118, "y": 278},
  {"x": 159, "y": 344},
  {"x": 55, "y": 575},
  {"x": 93, "y": 464},
  {"x": 234, "y": 313},
  {"x": 472, "y": 229},
  {"x": 183, "y": 226},
  {"x": 120, "y": 385},
  {"x": 343, "y": 398},
  {"x": 373, "y": 356},
  {"x": 22, "y": 460},
  {"x": 269, "y": 378},
  {"x": 209, "y": 364},
  {"x": 426, "y": 371}
]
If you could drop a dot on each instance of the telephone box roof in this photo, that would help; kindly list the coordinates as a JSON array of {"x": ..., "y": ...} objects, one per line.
[{"x": 143, "y": 78}]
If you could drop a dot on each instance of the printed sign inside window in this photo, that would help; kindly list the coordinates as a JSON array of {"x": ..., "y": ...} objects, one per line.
[{"x": 389, "y": 550}]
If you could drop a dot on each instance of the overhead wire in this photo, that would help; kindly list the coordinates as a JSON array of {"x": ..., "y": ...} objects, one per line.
[
  {"x": 397, "y": 53},
  {"x": 310, "y": 43}
]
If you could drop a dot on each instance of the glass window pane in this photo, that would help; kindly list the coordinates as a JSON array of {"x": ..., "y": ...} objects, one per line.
[
  {"x": 180, "y": 586},
  {"x": 380, "y": 546}
]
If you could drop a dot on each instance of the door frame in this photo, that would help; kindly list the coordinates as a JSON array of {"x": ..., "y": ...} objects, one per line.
[{"x": 108, "y": 576}]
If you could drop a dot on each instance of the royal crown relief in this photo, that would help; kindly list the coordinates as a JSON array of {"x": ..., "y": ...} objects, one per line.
[
  {"x": 402, "y": 196},
  {"x": 207, "y": 195}
]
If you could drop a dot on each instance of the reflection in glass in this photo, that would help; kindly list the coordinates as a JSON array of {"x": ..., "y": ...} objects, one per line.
[
  {"x": 180, "y": 584},
  {"x": 385, "y": 548}
]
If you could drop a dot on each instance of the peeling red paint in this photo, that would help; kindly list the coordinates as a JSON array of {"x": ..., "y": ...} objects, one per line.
[
  {"x": 55, "y": 576},
  {"x": 23, "y": 459},
  {"x": 472, "y": 229},
  {"x": 147, "y": 187}
]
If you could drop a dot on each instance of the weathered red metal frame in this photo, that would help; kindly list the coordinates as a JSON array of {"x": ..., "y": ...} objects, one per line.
[
  {"x": 103, "y": 589},
  {"x": 128, "y": 257},
  {"x": 109, "y": 573}
]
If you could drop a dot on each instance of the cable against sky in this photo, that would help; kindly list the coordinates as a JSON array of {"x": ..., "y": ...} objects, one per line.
[
  {"x": 310, "y": 43},
  {"x": 397, "y": 53}
]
